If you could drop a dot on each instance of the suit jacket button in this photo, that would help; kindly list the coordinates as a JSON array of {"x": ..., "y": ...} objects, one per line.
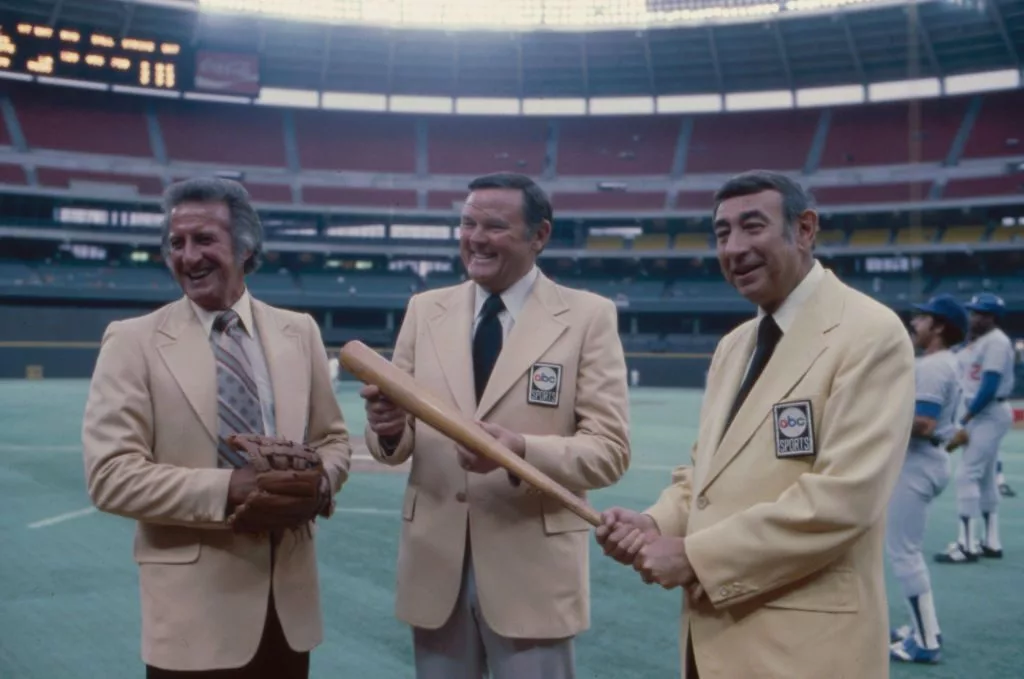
[
  {"x": 702, "y": 502},
  {"x": 460, "y": 496}
]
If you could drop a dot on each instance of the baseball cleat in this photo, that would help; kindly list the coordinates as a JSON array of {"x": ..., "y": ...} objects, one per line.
[
  {"x": 956, "y": 553},
  {"x": 1006, "y": 491},
  {"x": 900, "y": 633},
  {"x": 909, "y": 650},
  {"x": 990, "y": 553}
]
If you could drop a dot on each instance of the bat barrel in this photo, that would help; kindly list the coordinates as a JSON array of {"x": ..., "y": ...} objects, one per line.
[{"x": 400, "y": 387}]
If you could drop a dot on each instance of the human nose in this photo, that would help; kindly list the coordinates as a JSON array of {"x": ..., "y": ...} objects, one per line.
[
  {"x": 190, "y": 253},
  {"x": 734, "y": 245}
]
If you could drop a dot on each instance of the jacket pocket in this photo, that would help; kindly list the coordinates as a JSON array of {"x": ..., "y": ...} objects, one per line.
[
  {"x": 166, "y": 544},
  {"x": 558, "y": 519},
  {"x": 832, "y": 591}
]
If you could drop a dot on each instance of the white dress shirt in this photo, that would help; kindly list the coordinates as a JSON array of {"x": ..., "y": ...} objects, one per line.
[
  {"x": 514, "y": 299},
  {"x": 253, "y": 350},
  {"x": 788, "y": 310}
]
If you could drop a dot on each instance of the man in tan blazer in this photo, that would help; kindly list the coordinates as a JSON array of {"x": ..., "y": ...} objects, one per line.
[
  {"x": 776, "y": 529},
  {"x": 167, "y": 388},
  {"x": 492, "y": 576}
]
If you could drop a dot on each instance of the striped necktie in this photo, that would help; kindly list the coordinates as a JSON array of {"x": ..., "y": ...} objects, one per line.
[{"x": 238, "y": 401}]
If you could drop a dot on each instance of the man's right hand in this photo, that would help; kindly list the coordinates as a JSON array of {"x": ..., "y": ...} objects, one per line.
[
  {"x": 242, "y": 483},
  {"x": 623, "y": 532},
  {"x": 386, "y": 420}
]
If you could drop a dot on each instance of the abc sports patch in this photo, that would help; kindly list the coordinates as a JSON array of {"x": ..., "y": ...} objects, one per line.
[
  {"x": 545, "y": 384},
  {"x": 794, "y": 429}
]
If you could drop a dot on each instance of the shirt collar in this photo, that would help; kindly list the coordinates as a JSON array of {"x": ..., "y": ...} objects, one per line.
[
  {"x": 787, "y": 312},
  {"x": 514, "y": 297},
  {"x": 243, "y": 307}
]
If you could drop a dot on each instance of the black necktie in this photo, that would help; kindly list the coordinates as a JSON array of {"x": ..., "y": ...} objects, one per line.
[
  {"x": 487, "y": 343},
  {"x": 768, "y": 335}
]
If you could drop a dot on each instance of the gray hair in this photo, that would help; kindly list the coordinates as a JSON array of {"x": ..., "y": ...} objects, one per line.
[
  {"x": 246, "y": 228},
  {"x": 795, "y": 199}
]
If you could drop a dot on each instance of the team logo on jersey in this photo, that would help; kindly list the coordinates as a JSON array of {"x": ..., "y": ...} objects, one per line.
[
  {"x": 794, "y": 429},
  {"x": 545, "y": 384}
]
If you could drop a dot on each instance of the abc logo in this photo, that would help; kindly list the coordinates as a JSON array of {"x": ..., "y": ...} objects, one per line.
[
  {"x": 792, "y": 422},
  {"x": 545, "y": 378}
]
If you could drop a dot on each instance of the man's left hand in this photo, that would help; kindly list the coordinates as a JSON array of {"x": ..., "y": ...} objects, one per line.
[
  {"x": 478, "y": 464},
  {"x": 663, "y": 561}
]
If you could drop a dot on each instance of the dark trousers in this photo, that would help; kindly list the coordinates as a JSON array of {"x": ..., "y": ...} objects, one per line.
[
  {"x": 274, "y": 659},
  {"x": 691, "y": 663}
]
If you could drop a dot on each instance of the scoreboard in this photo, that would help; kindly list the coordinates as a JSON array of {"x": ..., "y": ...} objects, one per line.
[{"x": 83, "y": 54}]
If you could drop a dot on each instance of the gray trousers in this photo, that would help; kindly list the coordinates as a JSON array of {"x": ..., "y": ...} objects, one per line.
[{"x": 465, "y": 647}]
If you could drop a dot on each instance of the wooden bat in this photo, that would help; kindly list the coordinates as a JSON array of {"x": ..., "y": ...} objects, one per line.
[{"x": 400, "y": 387}]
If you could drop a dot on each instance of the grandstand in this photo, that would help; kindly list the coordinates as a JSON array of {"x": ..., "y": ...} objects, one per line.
[{"x": 358, "y": 147}]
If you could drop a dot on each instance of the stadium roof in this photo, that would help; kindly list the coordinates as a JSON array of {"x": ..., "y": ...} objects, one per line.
[{"x": 887, "y": 43}]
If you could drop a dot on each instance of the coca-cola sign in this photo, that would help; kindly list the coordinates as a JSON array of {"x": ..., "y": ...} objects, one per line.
[{"x": 227, "y": 72}]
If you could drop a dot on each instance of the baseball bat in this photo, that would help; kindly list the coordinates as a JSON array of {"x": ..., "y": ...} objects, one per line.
[{"x": 403, "y": 390}]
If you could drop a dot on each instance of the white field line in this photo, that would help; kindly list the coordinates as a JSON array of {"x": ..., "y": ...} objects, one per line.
[{"x": 66, "y": 516}]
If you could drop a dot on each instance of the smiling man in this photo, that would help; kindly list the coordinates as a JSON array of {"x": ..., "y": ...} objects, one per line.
[
  {"x": 775, "y": 530},
  {"x": 492, "y": 577},
  {"x": 167, "y": 390}
]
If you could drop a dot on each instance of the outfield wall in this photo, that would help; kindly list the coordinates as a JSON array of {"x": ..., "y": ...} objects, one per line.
[{"x": 68, "y": 359}]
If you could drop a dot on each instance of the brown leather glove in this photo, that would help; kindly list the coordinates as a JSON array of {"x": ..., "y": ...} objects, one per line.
[{"x": 291, "y": 485}]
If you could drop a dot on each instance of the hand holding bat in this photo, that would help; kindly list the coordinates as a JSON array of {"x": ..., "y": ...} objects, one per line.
[{"x": 402, "y": 390}]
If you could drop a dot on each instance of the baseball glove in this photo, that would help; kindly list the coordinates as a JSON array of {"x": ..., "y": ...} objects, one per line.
[{"x": 291, "y": 486}]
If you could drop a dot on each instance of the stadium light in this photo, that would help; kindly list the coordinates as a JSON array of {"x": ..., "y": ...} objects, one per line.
[
  {"x": 904, "y": 89},
  {"x": 531, "y": 14},
  {"x": 983, "y": 82}
]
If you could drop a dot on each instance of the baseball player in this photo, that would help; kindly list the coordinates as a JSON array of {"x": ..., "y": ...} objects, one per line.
[
  {"x": 937, "y": 326},
  {"x": 987, "y": 377}
]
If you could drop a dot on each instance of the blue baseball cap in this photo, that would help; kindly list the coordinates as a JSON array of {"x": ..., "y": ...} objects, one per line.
[
  {"x": 987, "y": 303},
  {"x": 947, "y": 308}
]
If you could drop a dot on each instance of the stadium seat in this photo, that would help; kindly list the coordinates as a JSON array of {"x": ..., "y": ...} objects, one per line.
[
  {"x": 605, "y": 243},
  {"x": 870, "y": 237},
  {"x": 692, "y": 241},
  {"x": 963, "y": 234},
  {"x": 909, "y": 236},
  {"x": 831, "y": 237},
  {"x": 1006, "y": 234},
  {"x": 651, "y": 241}
]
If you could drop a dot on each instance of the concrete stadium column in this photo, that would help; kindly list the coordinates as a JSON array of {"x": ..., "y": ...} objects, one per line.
[
  {"x": 390, "y": 321},
  {"x": 633, "y": 324},
  {"x": 328, "y": 319}
]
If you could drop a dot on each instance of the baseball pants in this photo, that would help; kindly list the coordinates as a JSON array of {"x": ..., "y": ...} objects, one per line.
[
  {"x": 976, "y": 489},
  {"x": 921, "y": 480}
]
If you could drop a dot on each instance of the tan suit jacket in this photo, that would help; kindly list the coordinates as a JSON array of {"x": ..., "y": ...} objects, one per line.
[
  {"x": 530, "y": 555},
  {"x": 790, "y": 549},
  {"x": 149, "y": 438}
]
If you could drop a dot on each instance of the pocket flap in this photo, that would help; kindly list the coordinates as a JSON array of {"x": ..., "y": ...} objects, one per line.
[
  {"x": 166, "y": 544},
  {"x": 832, "y": 591},
  {"x": 558, "y": 519}
]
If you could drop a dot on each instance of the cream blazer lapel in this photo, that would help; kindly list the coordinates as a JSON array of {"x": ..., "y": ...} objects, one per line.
[
  {"x": 282, "y": 345},
  {"x": 535, "y": 330},
  {"x": 187, "y": 355},
  {"x": 796, "y": 353},
  {"x": 450, "y": 324}
]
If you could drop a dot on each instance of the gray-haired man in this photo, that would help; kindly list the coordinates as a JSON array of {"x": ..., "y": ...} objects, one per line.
[{"x": 167, "y": 389}]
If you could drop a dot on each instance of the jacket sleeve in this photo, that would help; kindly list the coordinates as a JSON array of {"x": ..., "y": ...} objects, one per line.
[
  {"x": 121, "y": 474},
  {"x": 598, "y": 454},
  {"x": 403, "y": 359},
  {"x": 327, "y": 432},
  {"x": 865, "y": 429}
]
